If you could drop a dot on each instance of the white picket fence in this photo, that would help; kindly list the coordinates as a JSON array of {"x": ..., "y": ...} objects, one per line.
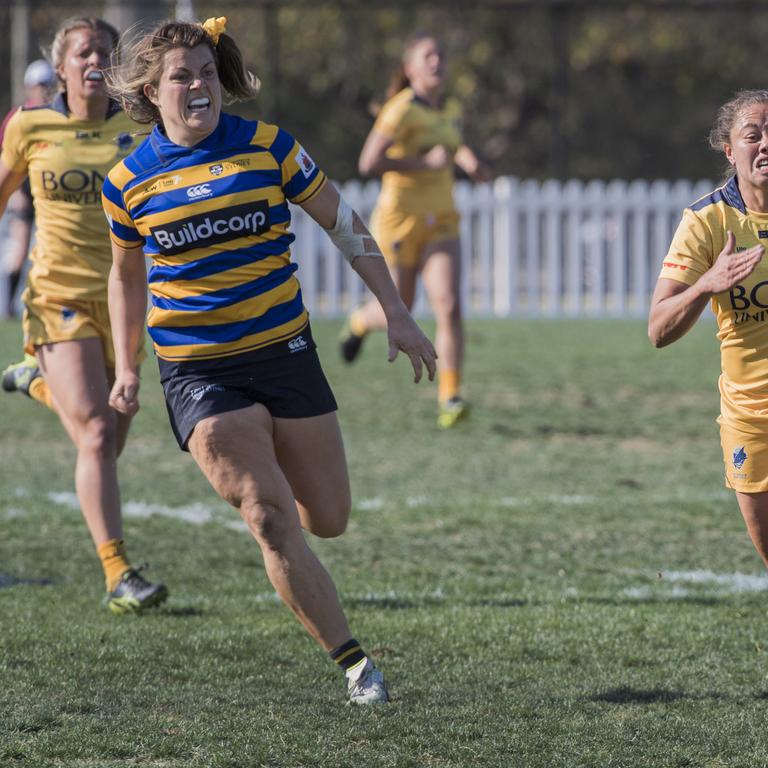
[{"x": 551, "y": 249}]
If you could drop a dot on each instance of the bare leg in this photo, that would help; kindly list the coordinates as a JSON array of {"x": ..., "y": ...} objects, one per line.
[
  {"x": 442, "y": 275},
  {"x": 754, "y": 510},
  {"x": 75, "y": 373},
  {"x": 236, "y": 453},
  {"x": 311, "y": 454}
]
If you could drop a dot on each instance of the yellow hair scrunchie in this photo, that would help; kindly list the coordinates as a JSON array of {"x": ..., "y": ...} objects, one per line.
[{"x": 214, "y": 27}]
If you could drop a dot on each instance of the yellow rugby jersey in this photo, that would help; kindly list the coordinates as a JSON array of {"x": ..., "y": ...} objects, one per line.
[
  {"x": 214, "y": 219},
  {"x": 742, "y": 312},
  {"x": 415, "y": 127},
  {"x": 67, "y": 160}
]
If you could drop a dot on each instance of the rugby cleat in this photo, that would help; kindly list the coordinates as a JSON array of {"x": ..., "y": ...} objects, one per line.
[
  {"x": 451, "y": 412},
  {"x": 18, "y": 377},
  {"x": 134, "y": 593},
  {"x": 368, "y": 686},
  {"x": 350, "y": 344}
]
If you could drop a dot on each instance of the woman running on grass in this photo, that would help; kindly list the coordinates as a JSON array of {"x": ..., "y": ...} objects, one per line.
[
  {"x": 206, "y": 198},
  {"x": 66, "y": 149},
  {"x": 717, "y": 256},
  {"x": 414, "y": 145}
]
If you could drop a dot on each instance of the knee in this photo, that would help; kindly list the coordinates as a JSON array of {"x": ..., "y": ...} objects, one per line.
[
  {"x": 269, "y": 524},
  {"x": 333, "y": 521},
  {"x": 447, "y": 307},
  {"x": 99, "y": 435}
]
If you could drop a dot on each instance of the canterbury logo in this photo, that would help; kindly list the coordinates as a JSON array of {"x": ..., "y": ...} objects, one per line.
[
  {"x": 207, "y": 229},
  {"x": 201, "y": 190},
  {"x": 297, "y": 344}
]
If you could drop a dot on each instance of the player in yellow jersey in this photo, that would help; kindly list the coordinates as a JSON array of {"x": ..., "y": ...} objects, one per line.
[
  {"x": 205, "y": 196},
  {"x": 66, "y": 149},
  {"x": 717, "y": 255},
  {"x": 414, "y": 144}
]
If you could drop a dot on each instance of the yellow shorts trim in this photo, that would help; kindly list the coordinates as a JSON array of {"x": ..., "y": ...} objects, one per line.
[
  {"x": 50, "y": 320},
  {"x": 403, "y": 237},
  {"x": 745, "y": 456}
]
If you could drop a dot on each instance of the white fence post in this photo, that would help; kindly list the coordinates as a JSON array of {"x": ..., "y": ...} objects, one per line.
[{"x": 527, "y": 249}]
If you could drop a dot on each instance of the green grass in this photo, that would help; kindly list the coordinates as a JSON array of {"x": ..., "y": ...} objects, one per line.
[{"x": 526, "y": 581}]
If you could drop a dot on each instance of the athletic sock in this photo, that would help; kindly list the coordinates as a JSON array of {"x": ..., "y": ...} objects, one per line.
[
  {"x": 448, "y": 382},
  {"x": 113, "y": 561},
  {"x": 39, "y": 390},
  {"x": 349, "y": 656},
  {"x": 357, "y": 324}
]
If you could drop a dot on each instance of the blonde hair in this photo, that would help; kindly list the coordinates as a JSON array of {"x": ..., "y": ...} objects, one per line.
[
  {"x": 55, "y": 54},
  {"x": 142, "y": 62},
  {"x": 726, "y": 119}
]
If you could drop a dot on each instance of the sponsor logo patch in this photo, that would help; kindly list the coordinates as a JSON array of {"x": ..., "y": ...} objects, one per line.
[
  {"x": 739, "y": 457},
  {"x": 305, "y": 162},
  {"x": 212, "y": 228},
  {"x": 217, "y": 169}
]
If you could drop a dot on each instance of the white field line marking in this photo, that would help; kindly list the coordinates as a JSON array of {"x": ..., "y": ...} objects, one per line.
[{"x": 719, "y": 583}]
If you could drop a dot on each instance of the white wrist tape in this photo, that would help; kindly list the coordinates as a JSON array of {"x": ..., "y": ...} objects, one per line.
[{"x": 348, "y": 242}]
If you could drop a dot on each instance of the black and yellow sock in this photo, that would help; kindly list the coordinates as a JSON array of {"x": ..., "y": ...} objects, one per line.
[
  {"x": 113, "y": 561},
  {"x": 349, "y": 655}
]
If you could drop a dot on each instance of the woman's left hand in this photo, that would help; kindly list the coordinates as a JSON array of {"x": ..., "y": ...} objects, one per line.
[{"x": 404, "y": 335}]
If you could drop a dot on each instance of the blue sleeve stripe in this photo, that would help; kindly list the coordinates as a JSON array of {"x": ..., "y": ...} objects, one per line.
[
  {"x": 125, "y": 233},
  {"x": 226, "y": 332},
  {"x": 112, "y": 193},
  {"x": 299, "y": 183},
  {"x": 218, "y": 262},
  {"x": 282, "y": 145},
  {"x": 228, "y": 296}
]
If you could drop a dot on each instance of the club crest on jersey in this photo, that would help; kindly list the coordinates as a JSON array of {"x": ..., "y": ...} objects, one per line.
[
  {"x": 739, "y": 457},
  {"x": 216, "y": 169},
  {"x": 212, "y": 228},
  {"x": 305, "y": 162}
]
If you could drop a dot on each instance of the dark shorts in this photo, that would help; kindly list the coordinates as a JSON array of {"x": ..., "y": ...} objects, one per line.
[{"x": 291, "y": 385}]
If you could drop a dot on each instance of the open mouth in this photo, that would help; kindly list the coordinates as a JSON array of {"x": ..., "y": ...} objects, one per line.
[
  {"x": 95, "y": 76},
  {"x": 200, "y": 104}
]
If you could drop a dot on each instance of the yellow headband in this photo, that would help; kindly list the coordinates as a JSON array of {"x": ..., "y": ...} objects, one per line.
[{"x": 215, "y": 27}]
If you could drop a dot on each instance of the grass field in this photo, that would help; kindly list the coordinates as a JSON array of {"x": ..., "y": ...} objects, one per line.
[{"x": 561, "y": 581}]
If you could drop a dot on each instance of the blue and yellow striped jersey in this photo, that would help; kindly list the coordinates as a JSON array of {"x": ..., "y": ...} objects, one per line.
[
  {"x": 741, "y": 312},
  {"x": 214, "y": 219}
]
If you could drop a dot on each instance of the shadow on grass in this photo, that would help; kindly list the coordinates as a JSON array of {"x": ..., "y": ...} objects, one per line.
[
  {"x": 626, "y": 695},
  {"x": 704, "y": 600},
  {"x": 392, "y": 603},
  {"x": 177, "y": 612},
  {"x": 7, "y": 581}
]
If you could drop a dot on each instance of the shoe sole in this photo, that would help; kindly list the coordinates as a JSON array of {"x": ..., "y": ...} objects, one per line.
[{"x": 120, "y": 606}]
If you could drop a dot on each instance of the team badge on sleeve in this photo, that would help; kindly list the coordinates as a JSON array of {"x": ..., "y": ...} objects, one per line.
[{"x": 305, "y": 162}]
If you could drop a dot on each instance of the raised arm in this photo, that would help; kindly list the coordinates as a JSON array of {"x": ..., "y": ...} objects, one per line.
[
  {"x": 356, "y": 243},
  {"x": 676, "y": 306},
  {"x": 127, "y": 291}
]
